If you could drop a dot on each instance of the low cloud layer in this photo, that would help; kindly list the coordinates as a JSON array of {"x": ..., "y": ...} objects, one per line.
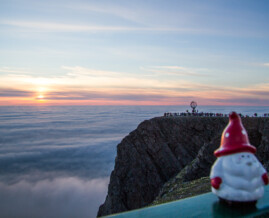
[
  {"x": 56, "y": 161},
  {"x": 60, "y": 197}
]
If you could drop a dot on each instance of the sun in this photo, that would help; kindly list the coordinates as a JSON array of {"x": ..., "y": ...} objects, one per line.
[
  {"x": 40, "y": 94},
  {"x": 40, "y": 97}
]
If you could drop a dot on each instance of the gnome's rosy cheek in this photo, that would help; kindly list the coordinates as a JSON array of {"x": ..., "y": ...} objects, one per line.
[{"x": 238, "y": 160}]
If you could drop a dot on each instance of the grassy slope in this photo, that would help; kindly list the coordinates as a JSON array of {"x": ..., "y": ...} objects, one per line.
[{"x": 176, "y": 191}]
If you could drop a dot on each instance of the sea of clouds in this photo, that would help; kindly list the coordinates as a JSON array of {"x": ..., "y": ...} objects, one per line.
[
  {"x": 57, "y": 197},
  {"x": 56, "y": 161}
]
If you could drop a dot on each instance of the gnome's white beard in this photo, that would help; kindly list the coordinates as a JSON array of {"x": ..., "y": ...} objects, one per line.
[{"x": 241, "y": 177}]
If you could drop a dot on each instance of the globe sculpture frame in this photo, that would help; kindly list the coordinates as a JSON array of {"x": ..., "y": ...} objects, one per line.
[{"x": 193, "y": 105}]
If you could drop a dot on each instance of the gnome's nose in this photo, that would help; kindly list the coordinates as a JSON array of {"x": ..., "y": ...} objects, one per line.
[{"x": 249, "y": 163}]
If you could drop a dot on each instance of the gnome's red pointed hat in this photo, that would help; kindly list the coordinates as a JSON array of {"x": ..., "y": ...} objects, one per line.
[{"x": 234, "y": 138}]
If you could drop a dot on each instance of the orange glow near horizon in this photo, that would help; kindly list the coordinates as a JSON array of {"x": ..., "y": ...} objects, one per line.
[
  {"x": 123, "y": 90},
  {"x": 79, "y": 96},
  {"x": 82, "y": 86},
  {"x": 4, "y": 101}
]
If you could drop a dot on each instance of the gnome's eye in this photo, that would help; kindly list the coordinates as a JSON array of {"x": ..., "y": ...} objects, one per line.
[
  {"x": 248, "y": 156},
  {"x": 242, "y": 155}
]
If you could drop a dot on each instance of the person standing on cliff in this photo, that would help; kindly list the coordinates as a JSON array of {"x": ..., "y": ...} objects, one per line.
[{"x": 237, "y": 177}]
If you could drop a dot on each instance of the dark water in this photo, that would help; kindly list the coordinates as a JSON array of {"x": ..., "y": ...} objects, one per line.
[{"x": 56, "y": 161}]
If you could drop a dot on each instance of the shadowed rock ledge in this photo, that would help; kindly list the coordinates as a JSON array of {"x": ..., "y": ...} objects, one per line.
[{"x": 177, "y": 149}]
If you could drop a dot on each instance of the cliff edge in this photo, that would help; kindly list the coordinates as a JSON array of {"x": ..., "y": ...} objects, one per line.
[{"x": 174, "y": 149}]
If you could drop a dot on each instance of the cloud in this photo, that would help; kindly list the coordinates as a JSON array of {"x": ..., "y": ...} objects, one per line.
[
  {"x": 82, "y": 71},
  {"x": 53, "y": 165},
  {"x": 58, "y": 27},
  {"x": 177, "y": 70},
  {"x": 156, "y": 17},
  {"x": 84, "y": 84},
  {"x": 266, "y": 64},
  {"x": 152, "y": 16},
  {"x": 112, "y": 95},
  {"x": 15, "y": 93},
  {"x": 83, "y": 78},
  {"x": 66, "y": 27},
  {"x": 247, "y": 101},
  {"x": 59, "y": 197},
  {"x": 80, "y": 85},
  {"x": 126, "y": 13},
  {"x": 13, "y": 70},
  {"x": 67, "y": 148}
]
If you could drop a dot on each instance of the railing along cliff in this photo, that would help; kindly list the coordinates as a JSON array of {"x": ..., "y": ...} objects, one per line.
[{"x": 205, "y": 205}]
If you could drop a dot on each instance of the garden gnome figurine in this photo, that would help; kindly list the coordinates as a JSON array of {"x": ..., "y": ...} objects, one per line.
[{"x": 237, "y": 177}]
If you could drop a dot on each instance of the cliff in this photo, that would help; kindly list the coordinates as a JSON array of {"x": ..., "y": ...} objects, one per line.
[{"x": 174, "y": 149}]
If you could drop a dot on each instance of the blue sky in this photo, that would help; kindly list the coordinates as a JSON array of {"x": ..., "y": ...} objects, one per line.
[{"x": 134, "y": 52}]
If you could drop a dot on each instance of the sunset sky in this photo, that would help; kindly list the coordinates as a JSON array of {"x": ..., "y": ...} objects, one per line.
[{"x": 143, "y": 52}]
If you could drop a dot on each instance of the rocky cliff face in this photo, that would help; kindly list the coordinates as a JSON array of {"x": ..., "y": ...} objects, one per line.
[{"x": 161, "y": 148}]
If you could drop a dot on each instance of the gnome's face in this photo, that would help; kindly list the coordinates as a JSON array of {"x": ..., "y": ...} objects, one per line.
[
  {"x": 245, "y": 158},
  {"x": 243, "y": 164}
]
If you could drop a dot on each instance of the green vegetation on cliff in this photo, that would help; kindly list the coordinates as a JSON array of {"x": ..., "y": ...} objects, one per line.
[{"x": 176, "y": 191}]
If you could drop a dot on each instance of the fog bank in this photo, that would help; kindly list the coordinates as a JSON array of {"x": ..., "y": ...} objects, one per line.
[{"x": 59, "y": 197}]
